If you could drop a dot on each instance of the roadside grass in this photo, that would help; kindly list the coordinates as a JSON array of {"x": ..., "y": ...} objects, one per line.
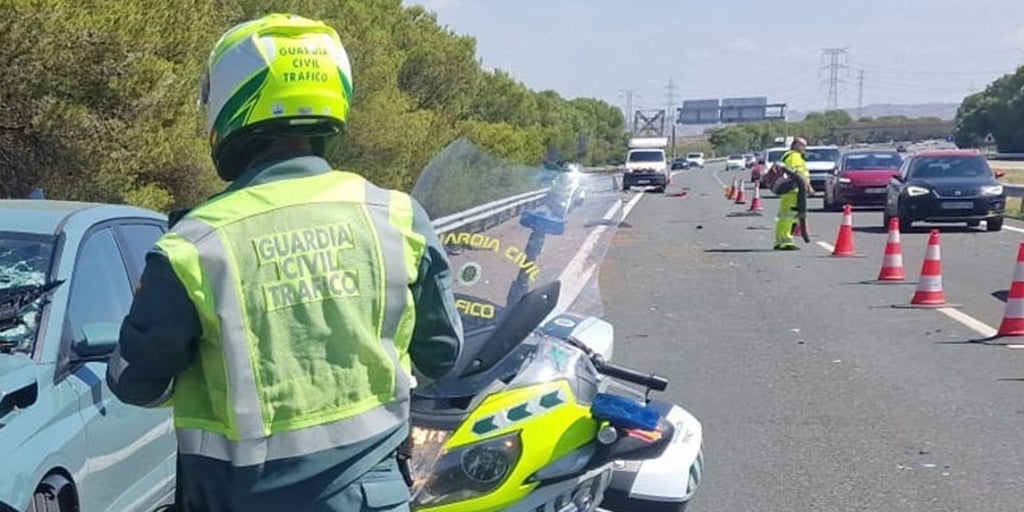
[{"x": 1014, "y": 176}]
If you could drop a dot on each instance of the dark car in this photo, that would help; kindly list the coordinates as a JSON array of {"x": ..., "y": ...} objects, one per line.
[
  {"x": 679, "y": 163},
  {"x": 946, "y": 186},
  {"x": 861, "y": 179}
]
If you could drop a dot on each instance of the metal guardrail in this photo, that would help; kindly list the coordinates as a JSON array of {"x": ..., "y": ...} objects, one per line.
[
  {"x": 490, "y": 214},
  {"x": 1010, "y": 157},
  {"x": 493, "y": 213}
]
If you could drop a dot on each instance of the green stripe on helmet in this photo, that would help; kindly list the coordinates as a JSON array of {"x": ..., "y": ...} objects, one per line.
[{"x": 236, "y": 111}]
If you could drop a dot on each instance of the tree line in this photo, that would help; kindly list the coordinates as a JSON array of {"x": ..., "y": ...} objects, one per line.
[
  {"x": 98, "y": 98},
  {"x": 998, "y": 110},
  {"x": 831, "y": 127}
]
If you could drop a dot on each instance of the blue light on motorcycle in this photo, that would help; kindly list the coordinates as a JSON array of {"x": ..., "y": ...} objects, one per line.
[{"x": 624, "y": 413}]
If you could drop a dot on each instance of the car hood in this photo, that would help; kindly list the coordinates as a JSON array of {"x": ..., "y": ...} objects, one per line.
[
  {"x": 820, "y": 166},
  {"x": 952, "y": 182},
  {"x": 870, "y": 176}
]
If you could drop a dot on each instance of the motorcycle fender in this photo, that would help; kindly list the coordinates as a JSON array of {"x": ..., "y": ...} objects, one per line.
[{"x": 661, "y": 479}]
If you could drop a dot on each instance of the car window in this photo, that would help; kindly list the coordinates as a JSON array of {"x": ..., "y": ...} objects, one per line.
[
  {"x": 776, "y": 155},
  {"x": 949, "y": 167},
  {"x": 646, "y": 156},
  {"x": 822, "y": 155},
  {"x": 872, "y": 161},
  {"x": 138, "y": 240},
  {"x": 100, "y": 290}
]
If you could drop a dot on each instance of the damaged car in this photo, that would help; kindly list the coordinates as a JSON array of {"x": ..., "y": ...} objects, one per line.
[{"x": 68, "y": 272}]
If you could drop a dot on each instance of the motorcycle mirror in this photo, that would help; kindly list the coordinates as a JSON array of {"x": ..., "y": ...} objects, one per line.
[{"x": 520, "y": 320}]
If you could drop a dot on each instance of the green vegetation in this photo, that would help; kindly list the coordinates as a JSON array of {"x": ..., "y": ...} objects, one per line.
[
  {"x": 98, "y": 98},
  {"x": 998, "y": 110},
  {"x": 832, "y": 127}
]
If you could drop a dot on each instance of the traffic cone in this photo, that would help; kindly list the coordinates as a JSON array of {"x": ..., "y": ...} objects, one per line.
[
  {"x": 729, "y": 192},
  {"x": 1013, "y": 315},
  {"x": 739, "y": 194},
  {"x": 755, "y": 203},
  {"x": 929, "y": 287},
  {"x": 844, "y": 240},
  {"x": 892, "y": 262}
]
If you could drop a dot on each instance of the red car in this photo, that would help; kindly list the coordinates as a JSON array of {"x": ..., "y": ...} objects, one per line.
[{"x": 861, "y": 179}]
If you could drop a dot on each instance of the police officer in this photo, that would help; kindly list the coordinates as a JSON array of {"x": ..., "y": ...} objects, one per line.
[
  {"x": 787, "y": 220},
  {"x": 282, "y": 316}
]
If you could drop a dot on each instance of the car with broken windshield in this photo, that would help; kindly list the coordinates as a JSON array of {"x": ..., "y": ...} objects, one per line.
[{"x": 68, "y": 272}]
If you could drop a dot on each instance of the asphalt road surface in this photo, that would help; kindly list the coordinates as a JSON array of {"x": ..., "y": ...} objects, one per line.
[{"x": 816, "y": 394}]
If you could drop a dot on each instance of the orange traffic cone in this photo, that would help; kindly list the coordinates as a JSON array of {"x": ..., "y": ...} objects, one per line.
[
  {"x": 729, "y": 192},
  {"x": 755, "y": 203},
  {"x": 1013, "y": 316},
  {"x": 892, "y": 262},
  {"x": 844, "y": 240},
  {"x": 739, "y": 194},
  {"x": 929, "y": 287}
]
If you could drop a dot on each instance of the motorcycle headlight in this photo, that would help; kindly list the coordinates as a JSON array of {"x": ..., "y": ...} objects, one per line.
[
  {"x": 913, "y": 191},
  {"x": 993, "y": 190},
  {"x": 466, "y": 472}
]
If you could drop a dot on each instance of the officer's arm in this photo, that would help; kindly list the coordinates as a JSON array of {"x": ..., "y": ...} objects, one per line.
[
  {"x": 437, "y": 337},
  {"x": 158, "y": 337}
]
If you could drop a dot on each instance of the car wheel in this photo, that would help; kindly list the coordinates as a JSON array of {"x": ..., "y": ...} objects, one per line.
[
  {"x": 905, "y": 224},
  {"x": 54, "y": 494},
  {"x": 659, "y": 190},
  {"x": 995, "y": 224}
]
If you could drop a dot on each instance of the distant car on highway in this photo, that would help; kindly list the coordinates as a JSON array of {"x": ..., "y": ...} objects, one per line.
[
  {"x": 946, "y": 186},
  {"x": 821, "y": 162},
  {"x": 749, "y": 160},
  {"x": 735, "y": 162},
  {"x": 770, "y": 157},
  {"x": 679, "y": 163},
  {"x": 861, "y": 179},
  {"x": 696, "y": 159},
  {"x": 67, "y": 442}
]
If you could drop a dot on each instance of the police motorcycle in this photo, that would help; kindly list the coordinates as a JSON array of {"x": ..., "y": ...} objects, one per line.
[{"x": 535, "y": 416}]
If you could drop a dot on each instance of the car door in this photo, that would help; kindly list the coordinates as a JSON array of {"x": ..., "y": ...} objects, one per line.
[
  {"x": 130, "y": 449},
  {"x": 895, "y": 188}
]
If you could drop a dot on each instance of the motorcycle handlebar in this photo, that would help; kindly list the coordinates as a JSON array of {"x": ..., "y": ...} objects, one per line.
[{"x": 622, "y": 373}]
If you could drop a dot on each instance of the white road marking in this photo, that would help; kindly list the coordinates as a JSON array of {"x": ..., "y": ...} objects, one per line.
[
  {"x": 1011, "y": 228},
  {"x": 970, "y": 322},
  {"x": 630, "y": 205},
  {"x": 572, "y": 284},
  {"x": 1015, "y": 346},
  {"x": 827, "y": 246}
]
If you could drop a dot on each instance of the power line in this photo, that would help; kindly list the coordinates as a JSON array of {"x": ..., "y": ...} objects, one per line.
[
  {"x": 630, "y": 122},
  {"x": 860, "y": 94},
  {"x": 833, "y": 66},
  {"x": 670, "y": 106}
]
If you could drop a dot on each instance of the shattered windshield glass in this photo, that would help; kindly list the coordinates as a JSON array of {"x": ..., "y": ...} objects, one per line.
[{"x": 24, "y": 262}]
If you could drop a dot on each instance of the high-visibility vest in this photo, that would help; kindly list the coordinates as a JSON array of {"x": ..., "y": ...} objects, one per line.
[
  {"x": 302, "y": 287},
  {"x": 795, "y": 161}
]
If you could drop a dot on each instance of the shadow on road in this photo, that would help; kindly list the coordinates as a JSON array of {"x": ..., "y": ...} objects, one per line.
[
  {"x": 730, "y": 251},
  {"x": 1002, "y": 295},
  {"x": 870, "y": 229}
]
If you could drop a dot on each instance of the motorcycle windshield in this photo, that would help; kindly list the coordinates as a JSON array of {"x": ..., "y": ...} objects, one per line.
[{"x": 508, "y": 229}]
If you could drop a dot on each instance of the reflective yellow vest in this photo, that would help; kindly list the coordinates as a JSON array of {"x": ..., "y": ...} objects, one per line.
[
  {"x": 302, "y": 290},
  {"x": 795, "y": 161}
]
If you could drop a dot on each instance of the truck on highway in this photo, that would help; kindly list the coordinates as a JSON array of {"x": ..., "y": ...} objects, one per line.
[{"x": 646, "y": 163}]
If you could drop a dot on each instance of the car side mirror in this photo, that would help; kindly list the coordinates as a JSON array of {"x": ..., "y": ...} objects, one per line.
[{"x": 99, "y": 339}]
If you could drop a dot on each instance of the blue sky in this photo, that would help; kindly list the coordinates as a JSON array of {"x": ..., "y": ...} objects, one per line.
[{"x": 911, "y": 51}]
